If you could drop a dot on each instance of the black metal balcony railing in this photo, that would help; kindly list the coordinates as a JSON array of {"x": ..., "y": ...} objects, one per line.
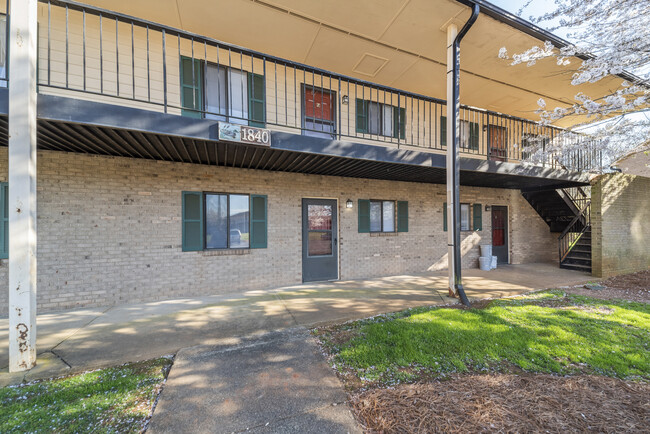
[{"x": 91, "y": 52}]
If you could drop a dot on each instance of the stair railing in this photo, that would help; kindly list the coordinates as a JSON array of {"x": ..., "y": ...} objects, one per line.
[
  {"x": 574, "y": 231},
  {"x": 578, "y": 196}
]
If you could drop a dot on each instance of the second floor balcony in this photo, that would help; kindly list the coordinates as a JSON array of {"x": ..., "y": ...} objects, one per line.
[{"x": 88, "y": 53}]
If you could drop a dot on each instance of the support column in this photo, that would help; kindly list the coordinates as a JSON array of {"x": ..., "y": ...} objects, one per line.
[
  {"x": 452, "y": 156},
  {"x": 21, "y": 199}
]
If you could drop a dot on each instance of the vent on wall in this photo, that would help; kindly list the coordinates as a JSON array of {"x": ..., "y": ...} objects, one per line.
[{"x": 369, "y": 65}]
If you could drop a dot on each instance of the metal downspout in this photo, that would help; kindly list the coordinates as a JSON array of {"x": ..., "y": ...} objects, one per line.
[{"x": 455, "y": 226}]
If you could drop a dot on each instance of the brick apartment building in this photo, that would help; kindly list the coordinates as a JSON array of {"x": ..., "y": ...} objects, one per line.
[{"x": 198, "y": 147}]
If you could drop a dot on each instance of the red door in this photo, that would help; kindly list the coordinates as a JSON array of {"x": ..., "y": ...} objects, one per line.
[
  {"x": 497, "y": 140},
  {"x": 500, "y": 233},
  {"x": 319, "y": 117}
]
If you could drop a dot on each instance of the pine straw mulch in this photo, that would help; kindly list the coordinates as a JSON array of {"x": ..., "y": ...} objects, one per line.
[
  {"x": 633, "y": 287},
  {"x": 507, "y": 403}
]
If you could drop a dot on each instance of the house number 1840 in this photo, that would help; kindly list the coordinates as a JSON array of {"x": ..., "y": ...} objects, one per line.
[{"x": 255, "y": 135}]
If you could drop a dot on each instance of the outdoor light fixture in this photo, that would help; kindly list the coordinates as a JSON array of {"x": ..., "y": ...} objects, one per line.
[
  {"x": 345, "y": 101},
  {"x": 348, "y": 203},
  {"x": 487, "y": 207}
]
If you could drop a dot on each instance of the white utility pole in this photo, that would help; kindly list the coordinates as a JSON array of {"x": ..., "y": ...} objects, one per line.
[
  {"x": 452, "y": 32},
  {"x": 22, "y": 184}
]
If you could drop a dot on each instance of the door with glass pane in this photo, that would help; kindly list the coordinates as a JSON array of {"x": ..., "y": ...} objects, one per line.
[
  {"x": 500, "y": 233},
  {"x": 319, "y": 240}
]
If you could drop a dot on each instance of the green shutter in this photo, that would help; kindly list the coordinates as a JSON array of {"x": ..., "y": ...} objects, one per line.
[
  {"x": 444, "y": 216},
  {"x": 362, "y": 116},
  {"x": 402, "y": 216},
  {"x": 399, "y": 122},
  {"x": 191, "y": 90},
  {"x": 473, "y": 136},
  {"x": 443, "y": 131},
  {"x": 192, "y": 221},
  {"x": 259, "y": 238},
  {"x": 4, "y": 220},
  {"x": 364, "y": 216},
  {"x": 256, "y": 104},
  {"x": 478, "y": 217}
]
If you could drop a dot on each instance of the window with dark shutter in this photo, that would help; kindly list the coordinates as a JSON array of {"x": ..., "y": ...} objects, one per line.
[
  {"x": 191, "y": 87},
  {"x": 444, "y": 216},
  {"x": 478, "y": 217},
  {"x": 192, "y": 214},
  {"x": 4, "y": 221},
  {"x": 364, "y": 216},
  {"x": 258, "y": 221},
  {"x": 256, "y": 104},
  {"x": 402, "y": 216}
]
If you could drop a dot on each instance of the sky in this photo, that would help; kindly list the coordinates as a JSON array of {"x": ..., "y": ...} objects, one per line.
[{"x": 536, "y": 8}]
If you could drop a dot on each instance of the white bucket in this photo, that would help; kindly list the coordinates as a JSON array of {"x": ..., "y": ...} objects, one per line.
[
  {"x": 484, "y": 263},
  {"x": 486, "y": 250},
  {"x": 494, "y": 262}
]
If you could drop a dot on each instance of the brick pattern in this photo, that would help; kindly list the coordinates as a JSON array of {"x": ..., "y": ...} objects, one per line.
[
  {"x": 109, "y": 230},
  {"x": 620, "y": 216}
]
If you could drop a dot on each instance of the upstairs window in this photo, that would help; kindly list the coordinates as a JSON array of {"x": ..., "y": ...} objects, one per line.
[
  {"x": 380, "y": 119},
  {"x": 319, "y": 116},
  {"x": 469, "y": 134},
  {"x": 218, "y": 92}
]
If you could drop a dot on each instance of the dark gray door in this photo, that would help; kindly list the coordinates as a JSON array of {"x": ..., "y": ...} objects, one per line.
[
  {"x": 500, "y": 233},
  {"x": 319, "y": 240}
]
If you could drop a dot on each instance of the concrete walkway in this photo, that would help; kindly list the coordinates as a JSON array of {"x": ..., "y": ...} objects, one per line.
[
  {"x": 90, "y": 338},
  {"x": 279, "y": 383}
]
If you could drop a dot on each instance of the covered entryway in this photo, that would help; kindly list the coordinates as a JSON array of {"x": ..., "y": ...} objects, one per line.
[{"x": 319, "y": 240}]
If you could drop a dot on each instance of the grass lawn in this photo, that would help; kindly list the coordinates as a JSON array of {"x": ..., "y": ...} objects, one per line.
[
  {"x": 547, "y": 332},
  {"x": 106, "y": 400}
]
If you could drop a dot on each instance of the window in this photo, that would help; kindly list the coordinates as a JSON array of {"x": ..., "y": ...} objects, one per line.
[
  {"x": 380, "y": 119},
  {"x": 469, "y": 134},
  {"x": 223, "y": 221},
  {"x": 319, "y": 117},
  {"x": 464, "y": 217},
  {"x": 319, "y": 225},
  {"x": 221, "y": 93},
  {"x": 227, "y": 221},
  {"x": 382, "y": 216}
]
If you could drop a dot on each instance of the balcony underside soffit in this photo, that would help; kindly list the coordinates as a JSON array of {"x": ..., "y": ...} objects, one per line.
[{"x": 397, "y": 43}]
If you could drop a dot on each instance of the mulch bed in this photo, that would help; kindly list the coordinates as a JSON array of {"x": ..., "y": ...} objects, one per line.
[
  {"x": 514, "y": 403},
  {"x": 633, "y": 287},
  {"x": 507, "y": 403}
]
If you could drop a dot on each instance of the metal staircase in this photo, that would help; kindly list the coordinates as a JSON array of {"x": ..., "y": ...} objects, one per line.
[{"x": 568, "y": 211}]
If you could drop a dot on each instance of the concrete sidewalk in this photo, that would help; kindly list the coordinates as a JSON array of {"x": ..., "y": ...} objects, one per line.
[
  {"x": 91, "y": 338},
  {"x": 278, "y": 383}
]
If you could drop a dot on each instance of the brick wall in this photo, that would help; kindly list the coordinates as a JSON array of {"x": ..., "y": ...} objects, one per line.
[
  {"x": 620, "y": 224},
  {"x": 109, "y": 230}
]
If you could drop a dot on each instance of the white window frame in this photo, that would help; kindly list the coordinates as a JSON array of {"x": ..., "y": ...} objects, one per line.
[{"x": 382, "y": 217}]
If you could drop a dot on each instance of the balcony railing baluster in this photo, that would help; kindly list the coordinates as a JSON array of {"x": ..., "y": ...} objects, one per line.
[{"x": 392, "y": 117}]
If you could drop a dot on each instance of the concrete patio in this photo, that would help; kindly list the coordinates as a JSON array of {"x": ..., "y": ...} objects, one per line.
[{"x": 90, "y": 338}]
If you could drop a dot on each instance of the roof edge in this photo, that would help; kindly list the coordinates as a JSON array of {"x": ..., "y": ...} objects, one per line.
[{"x": 531, "y": 29}]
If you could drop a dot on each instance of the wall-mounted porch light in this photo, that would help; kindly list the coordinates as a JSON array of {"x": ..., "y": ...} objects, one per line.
[
  {"x": 345, "y": 100},
  {"x": 487, "y": 207},
  {"x": 348, "y": 203}
]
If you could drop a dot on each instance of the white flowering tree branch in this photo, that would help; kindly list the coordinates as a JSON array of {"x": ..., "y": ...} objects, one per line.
[{"x": 609, "y": 37}]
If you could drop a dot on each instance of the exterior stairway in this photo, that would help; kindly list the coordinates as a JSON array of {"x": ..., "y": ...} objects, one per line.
[{"x": 567, "y": 211}]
